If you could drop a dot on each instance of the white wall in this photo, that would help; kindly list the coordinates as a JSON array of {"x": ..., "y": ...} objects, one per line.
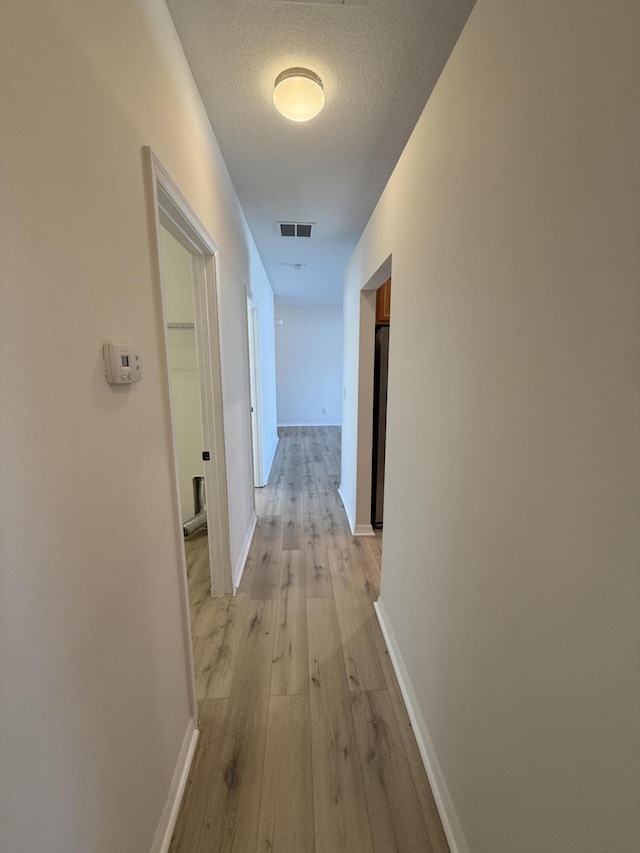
[
  {"x": 93, "y": 649},
  {"x": 309, "y": 365},
  {"x": 512, "y": 502},
  {"x": 183, "y": 367}
]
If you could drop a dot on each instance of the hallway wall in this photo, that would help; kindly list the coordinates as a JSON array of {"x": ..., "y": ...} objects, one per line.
[
  {"x": 510, "y": 567},
  {"x": 94, "y": 699},
  {"x": 309, "y": 365}
]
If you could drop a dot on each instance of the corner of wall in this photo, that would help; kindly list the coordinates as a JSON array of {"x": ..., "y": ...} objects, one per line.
[
  {"x": 268, "y": 459},
  {"x": 238, "y": 569},
  {"x": 347, "y": 511}
]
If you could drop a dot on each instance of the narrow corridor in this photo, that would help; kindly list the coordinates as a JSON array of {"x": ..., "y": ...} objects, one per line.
[{"x": 305, "y": 743}]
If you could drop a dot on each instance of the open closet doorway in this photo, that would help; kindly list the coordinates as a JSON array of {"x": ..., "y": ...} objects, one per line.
[
  {"x": 187, "y": 278},
  {"x": 177, "y": 277}
]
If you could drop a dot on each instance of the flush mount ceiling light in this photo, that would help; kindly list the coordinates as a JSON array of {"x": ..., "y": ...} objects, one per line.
[{"x": 298, "y": 94}]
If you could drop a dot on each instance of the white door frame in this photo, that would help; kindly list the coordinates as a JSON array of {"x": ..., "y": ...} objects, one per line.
[
  {"x": 366, "y": 358},
  {"x": 172, "y": 211},
  {"x": 253, "y": 337}
]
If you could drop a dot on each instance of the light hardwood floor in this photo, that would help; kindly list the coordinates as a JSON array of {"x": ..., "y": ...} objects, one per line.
[{"x": 305, "y": 743}]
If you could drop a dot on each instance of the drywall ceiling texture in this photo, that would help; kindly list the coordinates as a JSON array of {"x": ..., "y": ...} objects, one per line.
[
  {"x": 94, "y": 646},
  {"x": 378, "y": 61},
  {"x": 512, "y": 493}
]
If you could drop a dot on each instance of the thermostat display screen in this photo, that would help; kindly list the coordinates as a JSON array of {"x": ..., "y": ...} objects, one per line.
[{"x": 125, "y": 360}]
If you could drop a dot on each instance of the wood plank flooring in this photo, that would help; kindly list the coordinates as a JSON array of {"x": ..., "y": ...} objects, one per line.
[{"x": 305, "y": 744}]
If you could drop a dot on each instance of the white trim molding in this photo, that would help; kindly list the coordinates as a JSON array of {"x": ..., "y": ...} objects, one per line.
[
  {"x": 309, "y": 424},
  {"x": 441, "y": 794},
  {"x": 169, "y": 815},
  {"x": 238, "y": 570},
  {"x": 363, "y": 530}
]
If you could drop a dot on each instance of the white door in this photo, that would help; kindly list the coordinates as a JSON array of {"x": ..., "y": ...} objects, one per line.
[{"x": 254, "y": 385}]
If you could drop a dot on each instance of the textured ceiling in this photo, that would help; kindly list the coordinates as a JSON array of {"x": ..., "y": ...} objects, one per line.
[{"x": 378, "y": 60}]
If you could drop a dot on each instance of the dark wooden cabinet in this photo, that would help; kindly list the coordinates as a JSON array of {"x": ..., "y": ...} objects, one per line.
[{"x": 383, "y": 304}]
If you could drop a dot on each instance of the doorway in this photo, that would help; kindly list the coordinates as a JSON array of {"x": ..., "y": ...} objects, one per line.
[
  {"x": 254, "y": 388},
  {"x": 380, "y": 383},
  {"x": 178, "y": 284},
  {"x": 188, "y": 284}
]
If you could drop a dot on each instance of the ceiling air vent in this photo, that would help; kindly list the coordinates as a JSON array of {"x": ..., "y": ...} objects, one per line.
[{"x": 295, "y": 229}]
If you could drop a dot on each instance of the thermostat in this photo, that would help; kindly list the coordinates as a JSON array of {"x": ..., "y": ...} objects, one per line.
[{"x": 122, "y": 364}]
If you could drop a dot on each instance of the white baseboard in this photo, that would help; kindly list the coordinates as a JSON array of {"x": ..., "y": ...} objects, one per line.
[
  {"x": 244, "y": 553},
  {"x": 308, "y": 424},
  {"x": 267, "y": 469},
  {"x": 364, "y": 530},
  {"x": 171, "y": 808},
  {"x": 446, "y": 809}
]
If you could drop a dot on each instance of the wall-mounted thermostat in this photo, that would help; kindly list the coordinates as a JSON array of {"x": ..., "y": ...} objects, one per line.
[{"x": 122, "y": 364}]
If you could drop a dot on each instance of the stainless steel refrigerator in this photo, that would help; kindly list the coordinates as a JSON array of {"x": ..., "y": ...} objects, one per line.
[{"x": 381, "y": 369}]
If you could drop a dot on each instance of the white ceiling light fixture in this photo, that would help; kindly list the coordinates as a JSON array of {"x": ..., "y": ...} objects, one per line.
[{"x": 298, "y": 94}]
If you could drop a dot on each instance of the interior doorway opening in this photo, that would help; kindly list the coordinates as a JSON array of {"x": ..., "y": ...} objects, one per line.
[
  {"x": 361, "y": 524},
  {"x": 175, "y": 216},
  {"x": 254, "y": 390},
  {"x": 178, "y": 286},
  {"x": 380, "y": 384},
  {"x": 171, "y": 213}
]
